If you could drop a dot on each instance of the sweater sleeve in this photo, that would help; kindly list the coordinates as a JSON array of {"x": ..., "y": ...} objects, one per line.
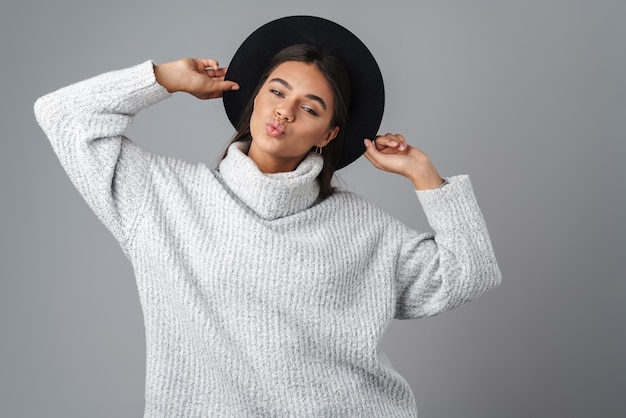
[
  {"x": 456, "y": 264},
  {"x": 85, "y": 123}
]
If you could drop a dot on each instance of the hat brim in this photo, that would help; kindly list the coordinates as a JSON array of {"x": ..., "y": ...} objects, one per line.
[{"x": 368, "y": 93}]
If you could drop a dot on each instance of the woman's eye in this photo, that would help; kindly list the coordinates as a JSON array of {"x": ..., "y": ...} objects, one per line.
[
  {"x": 276, "y": 92},
  {"x": 309, "y": 110}
]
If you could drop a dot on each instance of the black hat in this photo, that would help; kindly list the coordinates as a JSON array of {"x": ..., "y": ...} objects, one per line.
[{"x": 367, "y": 100}]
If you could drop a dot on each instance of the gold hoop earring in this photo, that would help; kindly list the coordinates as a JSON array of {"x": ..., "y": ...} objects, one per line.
[{"x": 318, "y": 150}]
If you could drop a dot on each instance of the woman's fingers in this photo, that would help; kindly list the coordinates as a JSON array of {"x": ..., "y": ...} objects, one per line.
[
  {"x": 379, "y": 151},
  {"x": 215, "y": 84},
  {"x": 370, "y": 153},
  {"x": 205, "y": 64},
  {"x": 216, "y": 88},
  {"x": 390, "y": 143}
]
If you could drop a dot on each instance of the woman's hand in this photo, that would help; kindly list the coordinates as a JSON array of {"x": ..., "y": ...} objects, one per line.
[
  {"x": 391, "y": 153},
  {"x": 201, "y": 77}
]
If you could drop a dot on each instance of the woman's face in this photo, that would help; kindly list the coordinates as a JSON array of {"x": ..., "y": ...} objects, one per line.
[{"x": 292, "y": 114}]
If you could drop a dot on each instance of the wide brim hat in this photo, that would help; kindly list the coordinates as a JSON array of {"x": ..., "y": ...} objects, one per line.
[{"x": 367, "y": 101}]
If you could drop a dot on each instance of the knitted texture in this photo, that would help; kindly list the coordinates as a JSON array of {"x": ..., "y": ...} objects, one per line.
[{"x": 257, "y": 299}]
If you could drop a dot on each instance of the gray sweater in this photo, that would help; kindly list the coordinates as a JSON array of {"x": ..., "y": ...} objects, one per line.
[{"x": 257, "y": 299}]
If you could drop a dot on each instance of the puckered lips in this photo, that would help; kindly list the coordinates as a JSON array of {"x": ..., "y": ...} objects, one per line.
[{"x": 274, "y": 129}]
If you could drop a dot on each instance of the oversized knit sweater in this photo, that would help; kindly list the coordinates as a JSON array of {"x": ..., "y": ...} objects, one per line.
[{"x": 258, "y": 300}]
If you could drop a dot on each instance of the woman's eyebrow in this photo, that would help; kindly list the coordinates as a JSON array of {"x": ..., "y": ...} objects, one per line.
[{"x": 310, "y": 96}]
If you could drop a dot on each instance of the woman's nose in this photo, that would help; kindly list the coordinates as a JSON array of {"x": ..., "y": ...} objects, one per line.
[{"x": 284, "y": 112}]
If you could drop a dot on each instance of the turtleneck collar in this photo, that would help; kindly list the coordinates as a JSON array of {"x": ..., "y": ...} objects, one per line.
[{"x": 271, "y": 196}]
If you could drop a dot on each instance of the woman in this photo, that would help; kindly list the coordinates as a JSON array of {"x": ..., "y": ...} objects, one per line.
[{"x": 264, "y": 290}]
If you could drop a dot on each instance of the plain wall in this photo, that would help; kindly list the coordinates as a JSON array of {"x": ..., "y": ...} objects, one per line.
[{"x": 527, "y": 97}]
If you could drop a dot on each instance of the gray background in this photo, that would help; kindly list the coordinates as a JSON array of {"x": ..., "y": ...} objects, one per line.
[{"x": 528, "y": 97}]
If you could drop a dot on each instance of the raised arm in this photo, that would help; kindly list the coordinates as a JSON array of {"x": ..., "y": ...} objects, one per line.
[
  {"x": 455, "y": 265},
  {"x": 438, "y": 272},
  {"x": 85, "y": 123}
]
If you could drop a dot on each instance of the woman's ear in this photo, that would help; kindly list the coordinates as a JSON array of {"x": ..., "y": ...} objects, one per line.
[{"x": 332, "y": 134}]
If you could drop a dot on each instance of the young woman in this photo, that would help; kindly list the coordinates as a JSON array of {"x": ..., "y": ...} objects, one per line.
[{"x": 265, "y": 291}]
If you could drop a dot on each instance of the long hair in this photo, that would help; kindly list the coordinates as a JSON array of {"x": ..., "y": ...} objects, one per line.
[{"x": 335, "y": 73}]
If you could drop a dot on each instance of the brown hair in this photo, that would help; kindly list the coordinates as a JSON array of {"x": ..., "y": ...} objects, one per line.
[{"x": 335, "y": 73}]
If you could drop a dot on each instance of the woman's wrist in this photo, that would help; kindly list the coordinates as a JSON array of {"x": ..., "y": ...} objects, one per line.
[
  {"x": 424, "y": 176},
  {"x": 429, "y": 184},
  {"x": 163, "y": 75}
]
